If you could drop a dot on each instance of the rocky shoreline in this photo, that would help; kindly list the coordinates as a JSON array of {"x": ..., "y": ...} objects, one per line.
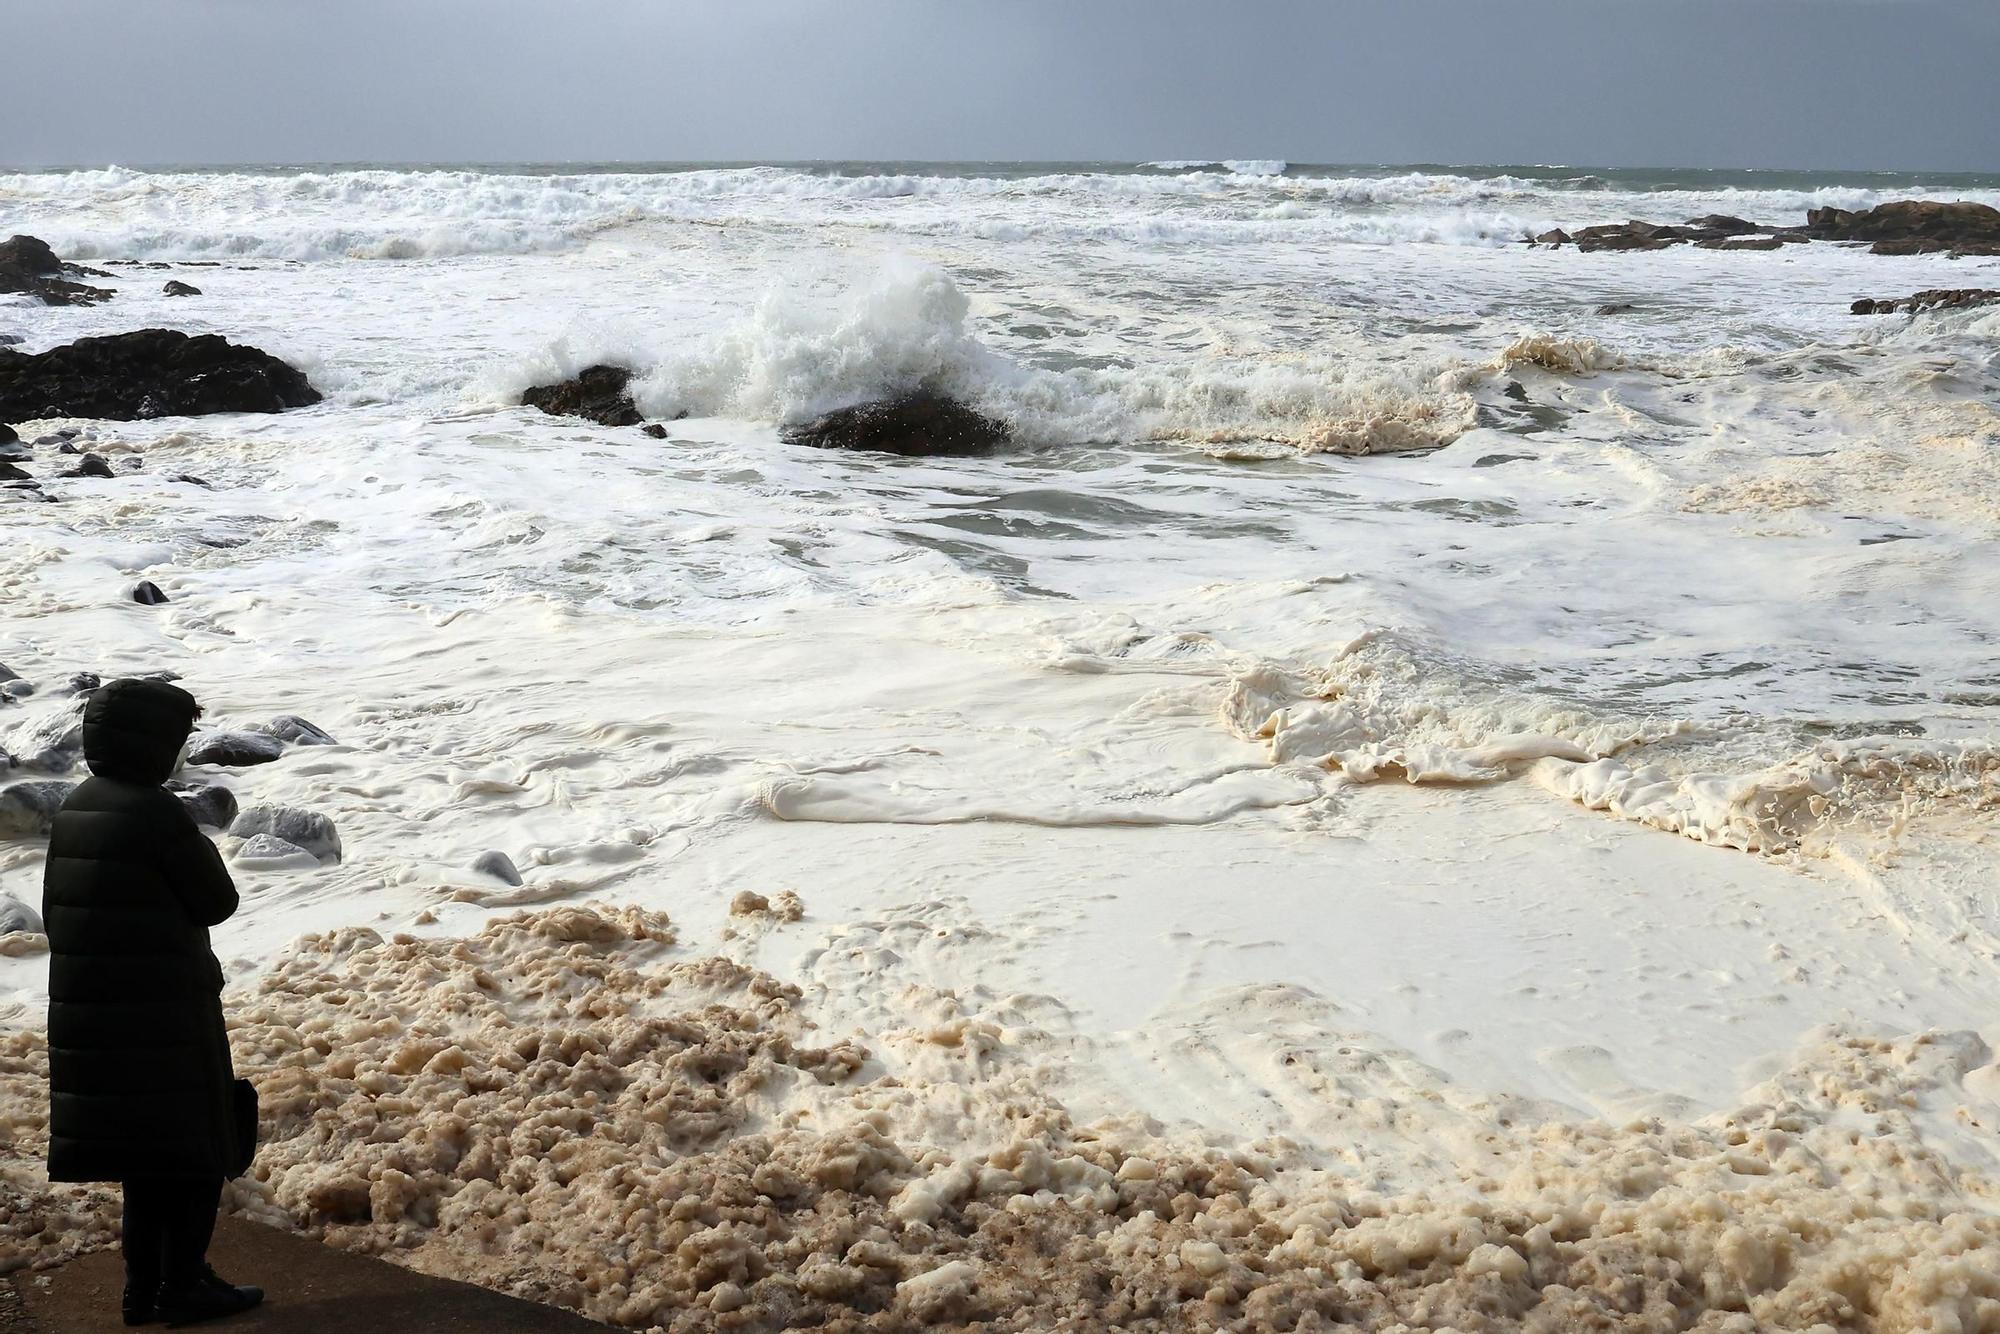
[{"x": 1901, "y": 227}]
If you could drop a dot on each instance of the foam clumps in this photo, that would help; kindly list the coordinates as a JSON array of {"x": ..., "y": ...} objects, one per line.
[{"x": 568, "y": 1107}]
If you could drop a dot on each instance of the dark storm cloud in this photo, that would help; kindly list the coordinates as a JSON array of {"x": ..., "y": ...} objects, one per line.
[{"x": 1804, "y": 83}]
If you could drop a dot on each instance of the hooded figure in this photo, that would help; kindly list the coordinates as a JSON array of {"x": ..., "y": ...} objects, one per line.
[{"x": 140, "y": 1083}]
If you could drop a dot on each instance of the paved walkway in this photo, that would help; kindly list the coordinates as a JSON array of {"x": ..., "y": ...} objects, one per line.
[{"x": 313, "y": 1289}]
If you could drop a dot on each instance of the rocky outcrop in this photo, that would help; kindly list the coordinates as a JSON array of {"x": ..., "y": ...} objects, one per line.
[
  {"x": 175, "y": 287},
  {"x": 918, "y": 424},
  {"x": 1912, "y": 227},
  {"x": 148, "y": 594},
  {"x": 28, "y": 265},
  {"x": 1936, "y": 298},
  {"x": 148, "y": 373},
  {"x": 601, "y": 394},
  {"x": 307, "y": 830},
  {"x": 1903, "y": 227}
]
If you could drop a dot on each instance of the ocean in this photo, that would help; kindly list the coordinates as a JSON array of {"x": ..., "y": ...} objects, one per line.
[{"x": 1491, "y": 753}]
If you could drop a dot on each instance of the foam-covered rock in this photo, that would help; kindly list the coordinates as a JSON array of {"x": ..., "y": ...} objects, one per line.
[
  {"x": 212, "y": 805},
  {"x": 599, "y": 393},
  {"x": 295, "y": 731},
  {"x": 498, "y": 865},
  {"x": 263, "y": 852},
  {"x": 309, "y": 830}
]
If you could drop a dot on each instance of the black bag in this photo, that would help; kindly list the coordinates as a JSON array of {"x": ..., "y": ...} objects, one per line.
[{"x": 243, "y": 1113}]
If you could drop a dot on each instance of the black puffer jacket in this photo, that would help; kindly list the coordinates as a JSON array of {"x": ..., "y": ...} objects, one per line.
[{"x": 139, "y": 1071}]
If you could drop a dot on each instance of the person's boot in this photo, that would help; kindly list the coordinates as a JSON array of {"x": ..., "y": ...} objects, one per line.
[
  {"x": 142, "y": 1298},
  {"x": 207, "y": 1298}
]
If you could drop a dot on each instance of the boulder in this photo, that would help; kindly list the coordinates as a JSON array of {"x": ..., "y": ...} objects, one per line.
[
  {"x": 922, "y": 423},
  {"x": 1622, "y": 236},
  {"x": 1554, "y": 237},
  {"x": 1936, "y": 298},
  {"x": 18, "y": 916},
  {"x": 654, "y": 429},
  {"x": 147, "y": 594},
  {"x": 601, "y": 394},
  {"x": 235, "y": 749},
  {"x": 304, "y": 829},
  {"x": 175, "y": 287},
  {"x": 294, "y": 731},
  {"x": 1912, "y": 227},
  {"x": 53, "y": 743},
  {"x": 10, "y": 473},
  {"x": 1740, "y": 243},
  {"x": 90, "y": 465},
  {"x": 16, "y": 689},
  {"x": 148, "y": 373},
  {"x": 28, "y": 265},
  {"x": 28, "y": 810},
  {"x": 1722, "y": 224},
  {"x": 498, "y": 865},
  {"x": 212, "y": 805},
  {"x": 82, "y": 683},
  {"x": 7, "y": 434}
]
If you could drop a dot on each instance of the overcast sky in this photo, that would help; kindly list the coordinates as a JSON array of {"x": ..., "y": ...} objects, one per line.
[{"x": 1802, "y": 83}]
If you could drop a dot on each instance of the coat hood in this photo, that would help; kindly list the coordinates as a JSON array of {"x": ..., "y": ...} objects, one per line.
[{"x": 133, "y": 730}]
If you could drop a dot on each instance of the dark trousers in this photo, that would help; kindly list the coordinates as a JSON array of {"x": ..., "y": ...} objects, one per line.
[{"x": 168, "y": 1221}]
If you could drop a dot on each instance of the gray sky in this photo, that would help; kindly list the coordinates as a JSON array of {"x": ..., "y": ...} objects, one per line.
[{"x": 1797, "y": 83}]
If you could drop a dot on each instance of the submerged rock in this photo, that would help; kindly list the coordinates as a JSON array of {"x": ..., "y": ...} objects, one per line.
[
  {"x": 148, "y": 373},
  {"x": 28, "y": 265},
  {"x": 235, "y": 749},
  {"x": 600, "y": 393},
  {"x": 264, "y": 852},
  {"x": 90, "y": 465},
  {"x": 498, "y": 865},
  {"x": 295, "y": 731},
  {"x": 301, "y": 828},
  {"x": 175, "y": 287},
  {"x": 1936, "y": 298},
  {"x": 28, "y": 810},
  {"x": 916, "y": 424},
  {"x": 1912, "y": 227}
]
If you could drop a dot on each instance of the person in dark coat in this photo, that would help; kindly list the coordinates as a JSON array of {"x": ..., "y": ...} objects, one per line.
[{"x": 140, "y": 1083}]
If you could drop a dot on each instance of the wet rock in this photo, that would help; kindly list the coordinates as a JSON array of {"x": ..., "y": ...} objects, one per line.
[
  {"x": 654, "y": 429},
  {"x": 1722, "y": 224},
  {"x": 52, "y": 743},
  {"x": 1936, "y": 298},
  {"x": 28, "y": 265},
  {"x": 28, "y": 810},
  {"x": 266, "y": 852},
  {"x": 1616, "y": 308},
  {"x": 304, "y": 829},
  {"x": 18, "y": 916},
  {"x": 601, "y": 394},
  {"x": 498, "y": 865},
  {"x": 919, "y": 424},
  {"x": 1554, "y": 237},
  {"x": 235, "y": 750},
  {"x": 10, "y": 473},
  {"x": 175, "y": 287},
  {"x": 90, "y": 465},
  {"x": 147, "y": 594},
  {"x": 1741, "y": 243},
  {"x": 16, "y": 690},
  {"x": 7, "y": 433},
  {"x": 295, "y": 731},
  {"x": 1912, "y": 227},
  {"x": 148, "y": 373},
  {"x": 82, "y": 683},
  {"x": 212, "y": 805},
  {"x": 1623, "y": 236},
  {"x": 193, "y": 480}
]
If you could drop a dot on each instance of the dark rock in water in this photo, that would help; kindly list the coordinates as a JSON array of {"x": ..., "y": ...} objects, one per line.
[
  {"x": 10, "y": 473},
  {"x": 147, "y": 594},
  {"x": 920, "y": 424},
  {"x": 1495, "y": 460},
  {"x": 148, "y": 373},
  {"x": 601, "y": 394},
  {"x": 1623, "y": 236},
  {"x": 498, "y": 865},
  {"x": 11, "y": 340},
  {"x": 654, "y": 429},
  {"x": 1554, "y": 237},
  {"x": 211, "y": 805},
  {"x": 301, "y": 828},
  {"x": 295, "y": 731},
  {"x": 84, "y": 682},
  {"x": 7, "y": 436},
  {"x": 235, "y": 749},
  {"x": 18, "y": 916},
  {"x": 1912, "y": 227},
  {"x": 53, "y": 743},
  {"x": 1722, "y": 224},
  {"x": 16, "y": 689},
  {"x": 62, "y": 446},
  {"x": 1741, "y": 243},
  {"x": 175, "y": 287},
  {"x": 1616, "y": 308},
  {"x": 27, "y": 810},
  {"x": 28, "y": 265},
  {"x": 1936, "y": 298},
  {"x": 193, "y": 480},
  {"x": 91, "y": 465}
]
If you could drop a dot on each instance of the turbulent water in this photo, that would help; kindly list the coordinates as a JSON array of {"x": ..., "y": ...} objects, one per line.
[{"x": 1568, "y": 680}]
